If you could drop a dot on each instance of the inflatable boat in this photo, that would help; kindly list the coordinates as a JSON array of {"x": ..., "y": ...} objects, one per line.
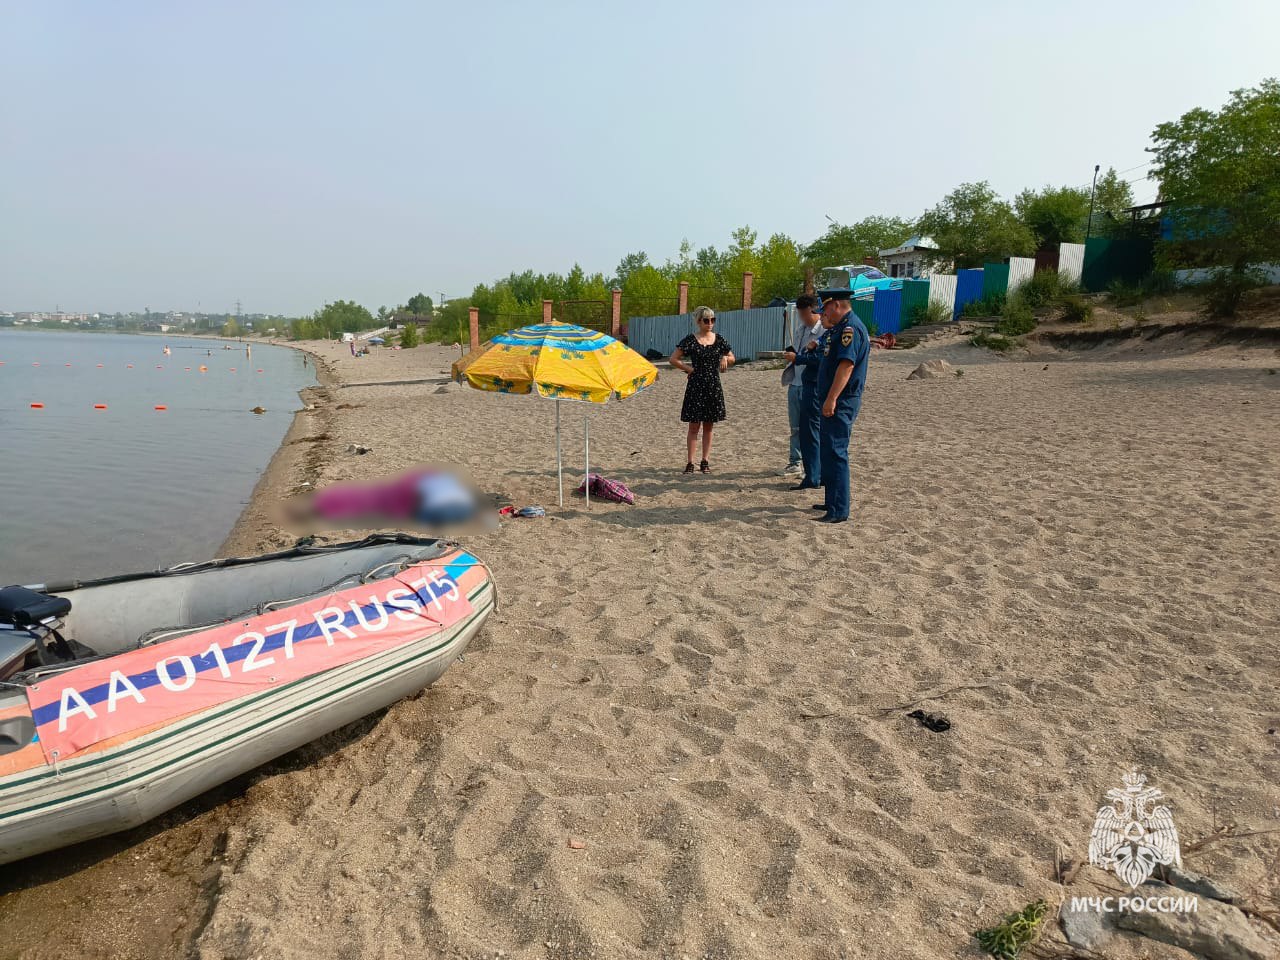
[{"x": 123, "y": 697}]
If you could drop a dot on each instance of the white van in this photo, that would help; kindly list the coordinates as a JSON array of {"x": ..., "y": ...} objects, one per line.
[{"x": 348, "y": 338}]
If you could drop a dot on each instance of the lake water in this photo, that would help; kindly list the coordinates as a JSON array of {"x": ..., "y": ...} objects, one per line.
[{"x": 88, "y": 493}]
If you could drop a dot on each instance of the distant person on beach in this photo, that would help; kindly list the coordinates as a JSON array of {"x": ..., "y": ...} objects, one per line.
[
  {"x": 806, "y": 327},
  {"x": 708, "y": 355},
  {"x": 841, "y": 378}
]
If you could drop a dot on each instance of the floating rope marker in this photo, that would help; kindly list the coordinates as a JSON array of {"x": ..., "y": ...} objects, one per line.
[
  {"x": 37, "y": 406},
  {"x": 161, "y": 406},
  {"x": 99, "y": 406}
]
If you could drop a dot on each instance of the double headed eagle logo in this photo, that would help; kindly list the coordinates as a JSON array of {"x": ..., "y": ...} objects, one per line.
[{"x": 1131, "y": 835}]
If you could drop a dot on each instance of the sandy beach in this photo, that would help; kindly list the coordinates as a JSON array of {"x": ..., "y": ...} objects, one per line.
[{"x": 686, "y": 731}]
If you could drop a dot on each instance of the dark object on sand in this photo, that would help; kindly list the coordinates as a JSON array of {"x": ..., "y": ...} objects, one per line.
[
  {"x": 931, "y": 721},
  {"x": 652, "y": 354}
]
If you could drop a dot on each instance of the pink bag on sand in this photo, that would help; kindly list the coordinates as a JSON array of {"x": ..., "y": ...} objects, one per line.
[{"x": 603, "y": 488}]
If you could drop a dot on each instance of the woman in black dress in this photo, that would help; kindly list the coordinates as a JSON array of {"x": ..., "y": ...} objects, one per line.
[{"x": 703, "y": 355}]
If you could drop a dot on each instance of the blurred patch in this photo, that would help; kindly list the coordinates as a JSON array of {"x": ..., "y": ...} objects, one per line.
[{"x": 430, "y": 498}]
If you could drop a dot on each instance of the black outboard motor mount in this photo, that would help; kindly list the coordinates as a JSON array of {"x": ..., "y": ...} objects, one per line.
[{"x": 38, "y": 614}]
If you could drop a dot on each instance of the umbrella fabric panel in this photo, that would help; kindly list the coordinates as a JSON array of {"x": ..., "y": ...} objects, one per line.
[{"x": 561, "y": 361}]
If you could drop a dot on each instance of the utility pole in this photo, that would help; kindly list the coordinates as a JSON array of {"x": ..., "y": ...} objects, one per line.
[
  {"x": 1088, "y": 230},
  {"x": 237, "y": 309}
]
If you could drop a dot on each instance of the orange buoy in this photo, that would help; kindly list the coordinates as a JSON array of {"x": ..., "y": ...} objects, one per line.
[
  {"x": 203, "y": 368},
  {"x": 99, "y": 406},
  {"x": 37, "y": 406},
  {"x": 99, "y": 366},
  {"x": 233, "y": 369},
  {"x": 161, "y": 406},
  {"x": 129, "y": 365}
]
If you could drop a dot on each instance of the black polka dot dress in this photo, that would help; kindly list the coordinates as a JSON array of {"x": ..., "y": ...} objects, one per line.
[{"x": 703, "y": 395}]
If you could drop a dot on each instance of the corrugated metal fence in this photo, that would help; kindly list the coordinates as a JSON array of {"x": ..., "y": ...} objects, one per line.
[
  {"x": 1071, "y": 261},
  {"x": 749, "y": 332}
]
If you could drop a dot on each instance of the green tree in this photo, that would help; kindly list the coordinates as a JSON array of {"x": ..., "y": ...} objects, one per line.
[
  {"x": 854, "y": 242},
  {"x": 231, "y": 328},
  {"x": 972, "y": 226},
  {"x": 781, "y": 270},
  {"x": 419, "y": 305},
  {"x": 409, "y": 336},
  {"x": 1111, "y": 197},
  {"x": 341, "y": 316},
  {"x": 1220, "y": 172},
  {"x": 629, "y": 265},
  {"x": 1055, "y": 215}
]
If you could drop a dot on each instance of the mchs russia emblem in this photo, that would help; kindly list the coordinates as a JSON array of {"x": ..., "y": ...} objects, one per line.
[{"x": 1134, "y": 833}]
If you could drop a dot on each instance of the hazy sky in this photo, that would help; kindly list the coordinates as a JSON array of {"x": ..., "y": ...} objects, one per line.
[{"x": 285, "y": 154}]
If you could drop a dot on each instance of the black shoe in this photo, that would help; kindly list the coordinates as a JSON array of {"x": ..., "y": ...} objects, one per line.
[
  {"x": 820, "y": 506},
  {"x": 688, "y": 467},
  {"x": 804, "y": 486},
  {"x": 706, "y": 467},
  {"x": 830, "y": 519}
]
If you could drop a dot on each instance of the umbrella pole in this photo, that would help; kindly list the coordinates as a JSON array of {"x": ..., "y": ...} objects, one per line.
[
  {"x": 559, "y": 462},
  {"x": 586, "y": 454}
]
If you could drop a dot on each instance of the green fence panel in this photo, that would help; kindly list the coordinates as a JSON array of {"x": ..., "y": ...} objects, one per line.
[
  {"x": 915, "y": 296},
  {"x": 1108, "y": 259},
  {"x": 995, "y": 280},
  {"x": 865, "y": 311}
]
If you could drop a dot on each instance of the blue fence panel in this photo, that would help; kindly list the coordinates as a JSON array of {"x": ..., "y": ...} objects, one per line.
[
  {"x": 888, "y": 311},
  {"x": 749, "y": 332},
  {"x": 968, "y": 288}
]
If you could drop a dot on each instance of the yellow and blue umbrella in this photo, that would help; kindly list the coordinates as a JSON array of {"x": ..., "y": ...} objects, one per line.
[{"x": 560, "y": 361}]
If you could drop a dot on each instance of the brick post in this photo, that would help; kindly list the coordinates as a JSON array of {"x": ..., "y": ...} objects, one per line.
[
  {"x": 546, "y": 311},
  {"x": 684, "y": 297},
  {"x": 473, "y": 318},
  {"x": 615, "y": 326},
  {"x": 746, "y": 289}
]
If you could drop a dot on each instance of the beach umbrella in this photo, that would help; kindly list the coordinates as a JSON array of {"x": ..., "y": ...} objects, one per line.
[
  {"x": 559, "y": 361},
  {"x": 376, "y": 340}
]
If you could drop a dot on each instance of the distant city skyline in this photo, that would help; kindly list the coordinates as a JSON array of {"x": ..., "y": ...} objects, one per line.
[{"x": 293, "y": 154}]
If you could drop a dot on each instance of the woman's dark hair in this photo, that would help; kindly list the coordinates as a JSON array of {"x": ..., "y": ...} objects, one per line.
[{"x": 806, "y": 300}]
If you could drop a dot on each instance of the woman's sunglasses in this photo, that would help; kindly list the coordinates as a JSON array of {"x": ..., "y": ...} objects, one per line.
[{"x": 707, "y": 320}]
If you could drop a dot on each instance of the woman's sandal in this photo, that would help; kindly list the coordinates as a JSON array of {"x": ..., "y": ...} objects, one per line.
[
  {"x": 706, "y": 467},
  {"x": 688, "y": 467}
]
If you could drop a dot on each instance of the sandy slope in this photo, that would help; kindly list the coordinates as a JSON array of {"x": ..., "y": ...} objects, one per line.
[{"x": 1077, "y": 565}]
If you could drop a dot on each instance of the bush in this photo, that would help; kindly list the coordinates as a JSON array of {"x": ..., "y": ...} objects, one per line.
[
  {"x": 1042, "y": 289},
  {"x": 1226, "y": 288},
  {"x": 1125, "y": 294},
  {"x": 1016, "y": 318},
  {"x": 1075, "y": 309},
  {"x": 986, "y": 307},
  {"x": 929, "y": 313},
  {"x": 991, "y": 341},
  {"x": 409, "y": 335}
]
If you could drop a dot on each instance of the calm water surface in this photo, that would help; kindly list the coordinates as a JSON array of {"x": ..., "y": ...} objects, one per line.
[{"x": 87, "y": 493}]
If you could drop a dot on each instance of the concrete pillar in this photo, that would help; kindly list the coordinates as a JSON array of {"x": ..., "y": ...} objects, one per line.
[
  {"x": 473, "y": 318},
  {"x": 684, "y": 297},
  {"x": 546, "y": 311},
  {"x": 747, "y": 278},
  {"x": 615, "y": 326}
]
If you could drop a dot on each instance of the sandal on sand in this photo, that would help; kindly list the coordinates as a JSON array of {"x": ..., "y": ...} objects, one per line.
[
  {"x": 706, "y": 467},
  {"x": 688, "y": 467}
]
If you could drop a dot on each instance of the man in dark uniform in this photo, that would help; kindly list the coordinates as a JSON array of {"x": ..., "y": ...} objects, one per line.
[
  {"x": 841, "y": 376},
  {"x": 808, "y": 360}
]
